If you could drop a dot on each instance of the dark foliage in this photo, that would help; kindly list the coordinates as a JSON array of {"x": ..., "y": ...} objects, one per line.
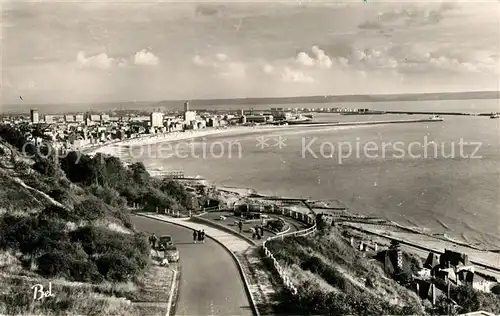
[{"x": 87, "y": 254}]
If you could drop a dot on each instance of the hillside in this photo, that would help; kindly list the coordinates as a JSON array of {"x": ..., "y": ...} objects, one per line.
[
  {"x": 66, "y": 221},
  {"x": 333, "y": 278}
]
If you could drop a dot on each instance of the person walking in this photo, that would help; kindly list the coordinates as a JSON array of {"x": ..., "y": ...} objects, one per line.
[
  {"x": 199, "y": 236},
  {"x": 152, "y": 240},
  {"x": 195, "y": 236},
  {"x": 240, "y": 226},
  {"x": 203, "y": 236}
]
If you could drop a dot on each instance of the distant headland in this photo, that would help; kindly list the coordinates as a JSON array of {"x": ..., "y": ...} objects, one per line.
[{"x": 196, "y": 103}]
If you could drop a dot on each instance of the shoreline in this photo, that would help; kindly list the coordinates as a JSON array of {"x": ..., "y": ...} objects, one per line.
[
  {"x": 151, "y": 139},
  {"x": 243, "y": 192}
]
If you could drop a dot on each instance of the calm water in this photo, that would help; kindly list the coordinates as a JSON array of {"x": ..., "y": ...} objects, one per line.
[{"x": 448, "y": 193}]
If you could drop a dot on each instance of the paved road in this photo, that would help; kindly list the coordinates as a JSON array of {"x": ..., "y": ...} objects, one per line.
[{"x": 210, "y": 281}]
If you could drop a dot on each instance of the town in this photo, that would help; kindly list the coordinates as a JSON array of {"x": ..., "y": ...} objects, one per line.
[{"x": 80, "y": 131}]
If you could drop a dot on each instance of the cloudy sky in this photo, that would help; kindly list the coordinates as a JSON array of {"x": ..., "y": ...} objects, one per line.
[{"x": 103, "y": 51}]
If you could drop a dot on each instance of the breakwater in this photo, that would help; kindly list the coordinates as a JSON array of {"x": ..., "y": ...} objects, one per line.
[
  {"x": 437, "y": 113},
  {"x": 367, "y": 123}
]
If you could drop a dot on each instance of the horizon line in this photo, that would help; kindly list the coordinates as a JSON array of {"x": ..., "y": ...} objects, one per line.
[{"x": 291, "y": 98}]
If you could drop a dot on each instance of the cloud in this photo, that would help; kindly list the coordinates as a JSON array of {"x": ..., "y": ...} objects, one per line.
[
  {"x": 223, "y": 66},
  {"x": 145, "y": 58},
  {"x": 197, "y": 60},
  {"x": 290, "y": 75},
  {"x": 101, "y": 61},
  {"x": 233, "y": 70},
  {"x": 409, "y": 58},
  {"x": 268, "y": 69},
  {"x": 222, "y": 57},
  {"x": 321, "y": 60},
  {"x": 304, "y": 59},
  {"x": 411, "y": 15}
]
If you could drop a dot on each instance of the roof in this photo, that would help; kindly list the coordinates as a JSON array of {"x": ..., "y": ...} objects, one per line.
[{"x": 479, "y": 313}]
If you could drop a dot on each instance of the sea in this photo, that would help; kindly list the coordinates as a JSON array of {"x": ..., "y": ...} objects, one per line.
[{"x": 444, "y": 176}]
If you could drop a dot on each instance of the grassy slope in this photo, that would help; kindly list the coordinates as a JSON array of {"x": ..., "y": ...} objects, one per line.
[
  {"x": 326, "y": 264},
  {"x": 23, "y": 191}
]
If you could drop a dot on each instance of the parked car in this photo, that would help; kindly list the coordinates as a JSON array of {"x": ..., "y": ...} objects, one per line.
[
  {"x": 165, "y": 240},
  {"x": 171, "y": 253}
]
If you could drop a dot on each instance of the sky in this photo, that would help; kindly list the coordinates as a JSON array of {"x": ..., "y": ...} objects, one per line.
[{"x": 99, "y": 51}]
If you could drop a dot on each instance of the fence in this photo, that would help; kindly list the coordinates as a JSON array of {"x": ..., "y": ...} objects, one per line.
[{"x": 309, "y": 219}]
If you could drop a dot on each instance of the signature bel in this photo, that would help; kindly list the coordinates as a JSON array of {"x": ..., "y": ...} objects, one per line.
[{"x": 39, "y": 292}]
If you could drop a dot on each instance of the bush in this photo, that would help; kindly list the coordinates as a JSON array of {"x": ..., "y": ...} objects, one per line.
[
  {"x": 276, "y": 226},
  {"x": 99, "y": 242},
  {"x": 69, "y": 261},
  {"x": 116, "y": 266},
  {"x": 90, "y": 210}
]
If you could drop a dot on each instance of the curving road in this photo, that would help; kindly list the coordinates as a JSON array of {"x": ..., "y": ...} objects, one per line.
[{"x": 210, "y": 281}]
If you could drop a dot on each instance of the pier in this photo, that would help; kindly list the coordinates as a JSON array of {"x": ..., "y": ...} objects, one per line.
[
  {"x": 179, "y": 175},
  {"x": 369, "y": 122}
]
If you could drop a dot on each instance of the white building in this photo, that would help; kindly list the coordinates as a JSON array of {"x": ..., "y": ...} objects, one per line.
[{"x": 156, "y": 119}]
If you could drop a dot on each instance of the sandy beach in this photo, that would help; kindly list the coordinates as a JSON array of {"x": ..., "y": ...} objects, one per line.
[{"x": 114, "y": 147}]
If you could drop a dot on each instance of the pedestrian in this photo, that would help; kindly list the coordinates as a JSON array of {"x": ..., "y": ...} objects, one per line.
[
  {"x": 240, "y": 226},
  {"x": 262, "y": 230},
  {"x": 153, "y": 239},
  {"x": 195, "y": 234},
  {"x": 203, "y": 236},
  {"x": 253, "y": 233},
  {"x": 199, "y": 236}
]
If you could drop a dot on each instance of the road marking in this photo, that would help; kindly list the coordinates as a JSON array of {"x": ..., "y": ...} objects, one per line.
[{"x": 171, "y": 297}]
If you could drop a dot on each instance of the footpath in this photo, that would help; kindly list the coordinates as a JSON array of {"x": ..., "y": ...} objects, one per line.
[{"x": 257, "y": 277}]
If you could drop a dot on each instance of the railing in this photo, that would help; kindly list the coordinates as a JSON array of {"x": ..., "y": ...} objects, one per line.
[{"x": 309, "y": 219}]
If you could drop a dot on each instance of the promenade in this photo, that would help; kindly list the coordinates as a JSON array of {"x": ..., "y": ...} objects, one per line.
[
  {"x": 210, "y": 283},
  {"x": 261, "y": 284}
]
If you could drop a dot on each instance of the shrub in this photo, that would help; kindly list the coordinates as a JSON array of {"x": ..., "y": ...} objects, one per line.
[
  {"x": 98, "y": 243},
  {"x": 116, "y": 266},
  {"x": 90, "y": 210},
  {"x": 68, "y": 261},
  {"x": 276, "y": 226}
]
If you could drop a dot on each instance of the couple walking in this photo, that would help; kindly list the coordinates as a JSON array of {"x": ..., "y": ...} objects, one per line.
[{"x": 199, "y": 235}]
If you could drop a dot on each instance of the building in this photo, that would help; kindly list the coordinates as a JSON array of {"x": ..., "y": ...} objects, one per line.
[
  {"x": 256, "y": 119},
  {"x": 432, "y": 261},
  {"x": 189, "y": 116},
  {"x": 79, "y": 118},
  {"x": 95, "y": 117},
  {"x": 156, "y": 119},
  {"x": 453, "y": 258},
  {"x": 49, "y": 118},
  {"x": 35, "y": 116},
  {"x": 212, "y": 122},
  {"x": 104, "y": 117},
  {"x": 69, "y": 118}
]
